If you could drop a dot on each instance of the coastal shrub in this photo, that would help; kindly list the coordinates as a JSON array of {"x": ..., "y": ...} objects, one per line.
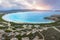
[{"x": 8, "y": 31}]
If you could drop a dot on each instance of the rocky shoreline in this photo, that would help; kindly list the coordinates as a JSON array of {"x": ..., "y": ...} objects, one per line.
[{"x": 55, "y": 17}]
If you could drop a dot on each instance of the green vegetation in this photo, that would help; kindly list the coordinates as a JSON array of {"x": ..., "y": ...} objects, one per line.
[
  {"x": 19, "y": 37},
  {"x": 15, "y": 26},
  {"x": 1, "y": 18},
  {"x": 3, "y": 27},
  {"x": 8, "y": 31}
]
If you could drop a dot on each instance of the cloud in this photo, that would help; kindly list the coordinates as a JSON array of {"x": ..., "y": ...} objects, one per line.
[
  {"x": 29, "y": 4},
  {"x": 54, "y": 3}
]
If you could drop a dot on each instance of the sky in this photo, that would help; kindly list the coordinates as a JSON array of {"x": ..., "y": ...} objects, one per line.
[{"x": 30, "y": 4}]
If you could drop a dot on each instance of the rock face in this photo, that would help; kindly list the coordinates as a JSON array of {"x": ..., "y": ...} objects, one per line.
[
  {"x": 53, "y": 17},
  {"x": 51, "y": 34}
]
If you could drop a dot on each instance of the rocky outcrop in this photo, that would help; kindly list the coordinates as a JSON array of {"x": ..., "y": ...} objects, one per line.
[{"x": 53, "y": 17}]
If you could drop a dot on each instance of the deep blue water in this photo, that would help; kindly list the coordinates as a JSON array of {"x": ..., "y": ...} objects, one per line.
[{"x": 29, "y": 17}]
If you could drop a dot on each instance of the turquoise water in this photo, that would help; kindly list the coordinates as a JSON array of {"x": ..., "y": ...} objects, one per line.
[{"x": 29, "y": 17}]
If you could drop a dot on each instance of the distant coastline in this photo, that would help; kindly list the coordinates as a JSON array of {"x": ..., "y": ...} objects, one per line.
[{"x": 25, "y": 10}]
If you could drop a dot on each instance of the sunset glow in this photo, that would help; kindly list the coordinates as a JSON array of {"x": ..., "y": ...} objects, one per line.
[
  {"x": 40, "y": 6},
  {"x": 34, "y": 5},
  {"x": 30, "y": 4}
]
